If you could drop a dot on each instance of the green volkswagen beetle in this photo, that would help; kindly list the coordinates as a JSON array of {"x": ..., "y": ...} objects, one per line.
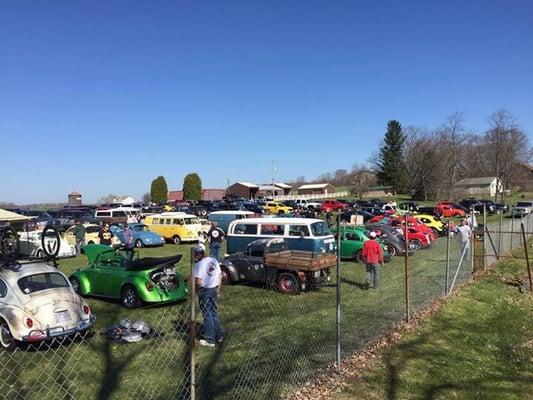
[
  {"x": 352, "y": 240},
  {"x": 116, "y": 274}
]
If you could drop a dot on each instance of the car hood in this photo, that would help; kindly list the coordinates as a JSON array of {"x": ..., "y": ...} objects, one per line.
[{"x": 92, "y": 251}]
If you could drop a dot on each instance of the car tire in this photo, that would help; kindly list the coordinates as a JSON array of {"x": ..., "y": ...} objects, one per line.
[
  {"x": 176, "y": 239},
  {"x": 357, "y": 257},
  {"x": 281, "y": 212},
  {"x": 7, "y": 342},
  {"x": 225, "y": 278},
  {"x": 75, "y": 284},
  {"x": 415, "y": 244},
  {"x": 391, "y": 250},
  {"x": 288, "y": 283},
  {"x": 129, "y": 297},
  {"x": 139, "y": 243}
]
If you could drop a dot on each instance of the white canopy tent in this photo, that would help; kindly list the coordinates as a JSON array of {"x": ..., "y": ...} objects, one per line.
[{"x": 9, "y": 216}]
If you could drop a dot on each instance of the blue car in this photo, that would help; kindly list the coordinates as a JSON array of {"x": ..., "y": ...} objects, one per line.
[{"x": 142, "y": 236}]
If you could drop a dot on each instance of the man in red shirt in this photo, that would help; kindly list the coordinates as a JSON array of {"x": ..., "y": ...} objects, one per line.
[{"x": 372, "y": 256}]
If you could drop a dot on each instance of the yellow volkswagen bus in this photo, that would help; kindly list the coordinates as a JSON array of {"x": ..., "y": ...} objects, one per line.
[{"x": 175, "y": 226}]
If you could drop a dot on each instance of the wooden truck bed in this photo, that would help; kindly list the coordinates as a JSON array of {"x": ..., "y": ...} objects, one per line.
[{"x": 304, "y": 260}]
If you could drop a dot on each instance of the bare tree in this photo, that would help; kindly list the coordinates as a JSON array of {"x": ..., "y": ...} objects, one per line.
[
  {"x": 451, "y": 138},
  {"x": 361, "y": 178},
  {"x": 502, "y": 146},
  {"x": 423, "y": 163}
]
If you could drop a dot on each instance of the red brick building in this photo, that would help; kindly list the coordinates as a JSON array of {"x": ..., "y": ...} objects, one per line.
[{"x": 207, "y": 194}]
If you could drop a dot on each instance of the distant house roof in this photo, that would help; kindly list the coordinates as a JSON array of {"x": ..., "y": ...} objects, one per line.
[
  {"x": 380, "y": 188},
  {"x": 315, "y": 186},
  {"x": 282, "y": 185},
  {"x": 248, "y": 184},
  {"x": 486, "y": 180},
  {"x": 277, "y": 185},
  {"x": 269, "y": 188},
  {"x": 74, "y": 193}
]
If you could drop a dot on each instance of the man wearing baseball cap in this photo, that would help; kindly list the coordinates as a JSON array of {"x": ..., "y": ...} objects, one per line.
[
  {"x": 207, "y": 277},
  {"x": 372, "y": 255}
]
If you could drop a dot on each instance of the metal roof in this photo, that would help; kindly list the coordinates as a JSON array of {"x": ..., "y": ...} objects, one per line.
[
  {"x": 248, "y": 184},
  {"x": 315, "y": 186},
  {"x": 486, "y": 180}
]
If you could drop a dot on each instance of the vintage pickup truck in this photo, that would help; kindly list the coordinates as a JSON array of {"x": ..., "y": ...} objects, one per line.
[{"x": 269, "y": 261}]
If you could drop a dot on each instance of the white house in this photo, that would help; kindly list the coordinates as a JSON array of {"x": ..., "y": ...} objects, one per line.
[{"x": 488, "y": 185}]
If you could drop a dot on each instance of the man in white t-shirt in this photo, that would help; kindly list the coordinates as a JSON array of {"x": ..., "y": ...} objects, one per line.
[
  {"x": 464, "y": 233},
  {"x": 207, "y": 277}
]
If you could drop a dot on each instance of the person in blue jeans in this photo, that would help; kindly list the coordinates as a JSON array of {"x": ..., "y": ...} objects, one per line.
[
  {"x": 215, "y": 236},
  {"x": 207, "y": 277}
]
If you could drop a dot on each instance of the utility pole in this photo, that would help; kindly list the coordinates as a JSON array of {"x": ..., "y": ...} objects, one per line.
[{"x": 273, "y": 179}]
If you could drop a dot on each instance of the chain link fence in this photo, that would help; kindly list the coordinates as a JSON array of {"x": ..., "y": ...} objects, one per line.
[{"x": 273, "y": 342}]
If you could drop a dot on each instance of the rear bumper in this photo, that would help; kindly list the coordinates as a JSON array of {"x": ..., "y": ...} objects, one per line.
[{"x": 58, "y": 331}]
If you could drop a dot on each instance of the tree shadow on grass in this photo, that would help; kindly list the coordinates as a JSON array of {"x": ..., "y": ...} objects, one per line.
[{"x": 422, "y": 348}]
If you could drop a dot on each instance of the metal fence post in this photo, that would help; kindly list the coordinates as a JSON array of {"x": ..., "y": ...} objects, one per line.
[
  {"x": 512, "y": 229},
  {"x": 527, "y": 258},
  {"x": 472, "y": 244},
  {"x": 338, "y": 300},
  {"x": 484, "y": 235},
  {"x": 500, "y": 234},
  {"x": 447, "y": 261},
  {"x": 192, "y": 337},
  {"x": 406, "y": 273}
]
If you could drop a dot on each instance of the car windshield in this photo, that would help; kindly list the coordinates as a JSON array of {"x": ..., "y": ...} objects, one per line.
[
  {"x": 320, "y": 229},
  {"x": 191, "y": 221},
  {"x": 140, "y": 228},
  {"x": 524, "y": 204},
  {"x": 34, "y": 283}
]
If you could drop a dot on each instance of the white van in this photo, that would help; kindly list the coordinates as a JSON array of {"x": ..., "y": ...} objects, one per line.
[{"x": 116, "y": 215}]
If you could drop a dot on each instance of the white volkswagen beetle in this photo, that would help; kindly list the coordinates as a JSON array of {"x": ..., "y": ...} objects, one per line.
[
  {"x": 31, "y": 244},
  {"x": 38, "y": 303}
]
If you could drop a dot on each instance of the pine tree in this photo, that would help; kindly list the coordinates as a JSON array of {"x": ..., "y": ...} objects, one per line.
[
  {"x": 391, "y": 169},
  {"x": 192, "y": 187},
  {"x": 159, "y": 190}
]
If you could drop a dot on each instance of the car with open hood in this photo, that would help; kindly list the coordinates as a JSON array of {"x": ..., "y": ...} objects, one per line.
[
  {"x": 120, "y": 274},
  {"x": 37, "y": 303}
]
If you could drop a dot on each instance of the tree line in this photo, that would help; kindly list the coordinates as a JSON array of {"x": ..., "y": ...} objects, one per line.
[
  {"x": 426, "y": 163},
  {"x": 192, "y": 189}
]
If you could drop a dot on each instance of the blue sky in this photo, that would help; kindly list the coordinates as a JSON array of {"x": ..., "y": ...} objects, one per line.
[{"x": 103, "y": 96}]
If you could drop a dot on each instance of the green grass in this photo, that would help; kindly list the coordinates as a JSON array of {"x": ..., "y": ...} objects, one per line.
[
  {"x": 273, "y": 341},
  {"x": 478, "y": 346}
]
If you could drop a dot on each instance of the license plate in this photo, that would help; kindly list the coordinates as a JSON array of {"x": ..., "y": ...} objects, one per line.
[{"x": 62, "y": 317}]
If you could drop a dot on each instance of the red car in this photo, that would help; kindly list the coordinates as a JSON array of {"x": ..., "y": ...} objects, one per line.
[
  {"x": 419, "y": 235},
  {"x": 332, "y": 205},
  {"x": 448, "y": 210}
]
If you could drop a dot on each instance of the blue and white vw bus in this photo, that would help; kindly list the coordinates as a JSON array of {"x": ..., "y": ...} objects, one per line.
[{"x": 300, "y": 233}]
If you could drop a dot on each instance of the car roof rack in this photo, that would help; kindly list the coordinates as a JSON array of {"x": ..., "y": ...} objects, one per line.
[{"x": 10, "y": 247}]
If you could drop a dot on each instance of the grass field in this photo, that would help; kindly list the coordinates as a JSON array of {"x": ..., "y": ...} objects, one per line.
[
  {"x": 273, "y": 341},
  {"x": 478, "y": 346}
]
